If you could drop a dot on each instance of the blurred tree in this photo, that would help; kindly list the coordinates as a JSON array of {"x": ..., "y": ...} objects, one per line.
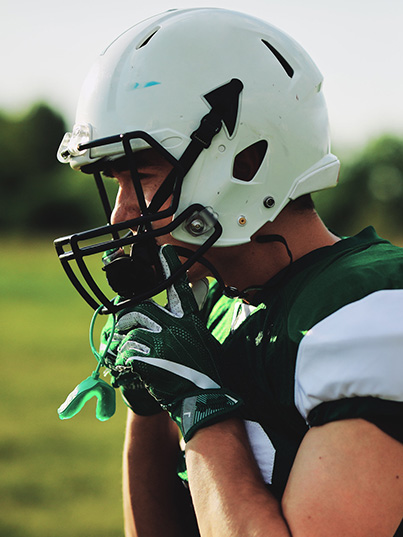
[
  {"x": 370, "y": 191},
  {"x": 38, "y": 193},
  {"x": 26, "y": 146}
]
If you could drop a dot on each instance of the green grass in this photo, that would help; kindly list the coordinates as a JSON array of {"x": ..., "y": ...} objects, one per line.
[{"x": 58, "y": 478}]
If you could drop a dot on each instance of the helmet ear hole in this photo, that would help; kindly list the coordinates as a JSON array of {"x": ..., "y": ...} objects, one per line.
[{"x": 248, "y": 161}]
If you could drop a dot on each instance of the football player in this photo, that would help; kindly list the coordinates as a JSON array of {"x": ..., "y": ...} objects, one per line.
[{"x": 283, "y": 373}]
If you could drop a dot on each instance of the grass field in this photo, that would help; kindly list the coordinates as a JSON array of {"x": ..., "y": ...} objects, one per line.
[{"x": 57, "y": 478}]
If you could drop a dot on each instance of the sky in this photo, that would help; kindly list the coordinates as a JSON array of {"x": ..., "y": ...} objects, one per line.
[{"x": 48, "y": 47}]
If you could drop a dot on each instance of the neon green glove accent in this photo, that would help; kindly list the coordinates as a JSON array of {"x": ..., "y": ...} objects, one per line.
[{"x": 175, "y": 356}]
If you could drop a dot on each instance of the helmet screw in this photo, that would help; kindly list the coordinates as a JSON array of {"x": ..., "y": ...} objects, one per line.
[
  {"x": 269, "y": 202},
  {"x": 196, "y": 226},
  {"x": 242, "y": 220}
]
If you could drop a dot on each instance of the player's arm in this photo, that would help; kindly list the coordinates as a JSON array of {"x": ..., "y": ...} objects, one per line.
[
  {"x": 228, "y": 492},
  {"x": 347, "y": 475},
  {"x": 347, "y": 480},
  {"x": 154, "y": 500}
]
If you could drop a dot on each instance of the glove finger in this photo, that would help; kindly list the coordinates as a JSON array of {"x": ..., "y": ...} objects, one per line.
[
  {"x": 150, "y": 316},
  {"x": 181, "y": 300},
  {"x": 147, "y": 366},
  {"x": 164, "y": 337},
  {"x": 137, "y": 350},
  {"x": 145, "y": 315},
  {"x": 131, "y": 347}
]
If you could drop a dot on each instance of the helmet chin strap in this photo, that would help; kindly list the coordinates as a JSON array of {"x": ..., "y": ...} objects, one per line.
[
  {"x": 266, "y": 239},
  {"x": 275, "y": 238}
]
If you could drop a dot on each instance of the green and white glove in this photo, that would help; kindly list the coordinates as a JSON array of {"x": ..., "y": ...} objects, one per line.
[
  {"x": 175, "y": 356},
  {"x": 134, "y": 393}
]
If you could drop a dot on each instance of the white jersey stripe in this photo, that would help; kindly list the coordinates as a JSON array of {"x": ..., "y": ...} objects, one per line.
[
  {"x": 262, "y": 448},
  {"x": 355, "y": 352}
]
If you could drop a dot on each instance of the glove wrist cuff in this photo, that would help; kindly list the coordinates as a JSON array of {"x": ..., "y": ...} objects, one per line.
[{"x": 203, "y": 409}]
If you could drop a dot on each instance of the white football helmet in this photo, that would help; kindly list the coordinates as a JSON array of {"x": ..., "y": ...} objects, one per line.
[{"x": 200, "y": 86}]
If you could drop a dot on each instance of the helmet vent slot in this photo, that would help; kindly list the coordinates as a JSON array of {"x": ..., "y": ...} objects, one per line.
[
  {"x": 147, "y": 39},
  {"x": 248, "y": 161},
  {"x": 283, "y": 62}
]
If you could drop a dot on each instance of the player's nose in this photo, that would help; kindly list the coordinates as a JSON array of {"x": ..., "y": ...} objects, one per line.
[{"x": 126, "y": 207}]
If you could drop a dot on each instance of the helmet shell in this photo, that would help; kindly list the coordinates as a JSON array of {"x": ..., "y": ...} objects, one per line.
[{"x": 154, "y": 77}]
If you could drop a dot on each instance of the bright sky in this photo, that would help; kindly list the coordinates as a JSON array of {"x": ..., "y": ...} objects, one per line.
[{"x": 47, "y": 48}]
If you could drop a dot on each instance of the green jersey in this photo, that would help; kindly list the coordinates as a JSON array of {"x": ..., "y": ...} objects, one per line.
[{"x": 323, "y": 341}]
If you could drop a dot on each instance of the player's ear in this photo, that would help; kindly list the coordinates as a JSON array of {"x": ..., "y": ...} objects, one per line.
[{"x": 248, "y": 161}]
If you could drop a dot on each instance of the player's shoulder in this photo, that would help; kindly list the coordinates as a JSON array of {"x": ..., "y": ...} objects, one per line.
[
  {"x": 349, "y": 356},
  {"x": 346, "y": 272},
  {"x": 364, "y": 258}
]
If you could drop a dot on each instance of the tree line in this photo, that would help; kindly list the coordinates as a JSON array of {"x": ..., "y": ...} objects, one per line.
[{"x": 40, "y": 195}]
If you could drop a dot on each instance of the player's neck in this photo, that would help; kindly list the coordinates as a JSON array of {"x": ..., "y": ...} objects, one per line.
[{"x": 257, "y": 262}]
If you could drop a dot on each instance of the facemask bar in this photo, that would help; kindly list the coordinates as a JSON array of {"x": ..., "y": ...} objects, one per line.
[
  {"x": 70, "y": 249},
  {"x": 224, "y": 109},
  {"x": 78, "y": 254},
  {"x": 167, "y": 188}
]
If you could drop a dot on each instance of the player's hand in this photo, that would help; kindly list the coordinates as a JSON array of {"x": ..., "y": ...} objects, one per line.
[
  {"x": 175, "y": 356},
  {"x": 134, "y": 393}
]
